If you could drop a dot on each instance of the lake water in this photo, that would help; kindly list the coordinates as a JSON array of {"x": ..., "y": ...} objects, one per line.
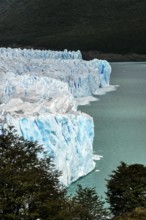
[{"x": 120, "y": 124}]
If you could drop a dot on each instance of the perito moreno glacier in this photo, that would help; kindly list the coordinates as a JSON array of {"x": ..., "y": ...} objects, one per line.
[{"x": 38, "y": 96}]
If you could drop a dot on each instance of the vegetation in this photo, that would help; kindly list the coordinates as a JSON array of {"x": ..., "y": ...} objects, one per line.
[
  {"x": 30, "y": 188},
  {"x": 137, "y": 214},
  {"x": 85, "y": 204},
  {"x": 85, "y": 25},
  {"x": 126, "y": 188}
]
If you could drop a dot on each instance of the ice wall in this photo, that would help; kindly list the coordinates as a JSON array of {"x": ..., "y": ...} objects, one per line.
[
  {"x": 67, "y": 138},
  {"x": 84, "y": 78},
  {"x": 43, "y": 109},
  {"x": 37, "y": 90}
]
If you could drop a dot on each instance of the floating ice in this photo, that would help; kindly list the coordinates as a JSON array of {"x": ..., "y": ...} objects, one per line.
[
  {"x": 85, "y": 100},
  {"x": 97, "y": 157}
]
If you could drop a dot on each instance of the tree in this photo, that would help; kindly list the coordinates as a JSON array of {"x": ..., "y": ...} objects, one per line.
[
  {"x": 85, "y": 205},
  {"x": 29, "y": 186},
  {"x": 126, "y": 188}
]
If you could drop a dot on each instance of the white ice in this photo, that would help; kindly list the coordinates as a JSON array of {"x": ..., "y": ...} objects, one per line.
[{"x": 39, "y": 95}]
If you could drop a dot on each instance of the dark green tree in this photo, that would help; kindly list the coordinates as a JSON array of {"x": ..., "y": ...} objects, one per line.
[
  {"x": 85, "y": 205},
  {"x": 126, "y": 188},
  {"x": 29, "y": 186}
]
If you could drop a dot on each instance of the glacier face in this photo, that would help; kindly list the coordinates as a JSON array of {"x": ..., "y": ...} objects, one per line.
[
  {"x": 84, "y": 78},
  {"x": 67, "y": 138},
  {"x": 37, "y": 97}
]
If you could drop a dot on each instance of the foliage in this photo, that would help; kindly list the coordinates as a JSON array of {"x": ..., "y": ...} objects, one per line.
[
  {"x": 137, "y": 214},
  {"x": 126, "y": 188},
  {"x": 29, "y": 186},
  {"x": 85, "y": 205}
]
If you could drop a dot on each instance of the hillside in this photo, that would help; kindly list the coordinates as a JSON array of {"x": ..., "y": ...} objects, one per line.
[{"x": 115, "y": 26}]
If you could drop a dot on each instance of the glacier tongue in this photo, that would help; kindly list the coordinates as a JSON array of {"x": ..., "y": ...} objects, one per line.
[{"x": 37, "y": 96}]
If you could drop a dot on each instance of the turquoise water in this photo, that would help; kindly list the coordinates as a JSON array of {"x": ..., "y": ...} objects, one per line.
[{"x": 120, "y": 124}]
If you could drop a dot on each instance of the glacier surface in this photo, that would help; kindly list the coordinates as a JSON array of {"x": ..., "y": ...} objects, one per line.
[
  {"x": 37, "y": 96},
  {"x": 84, "y": 78}
]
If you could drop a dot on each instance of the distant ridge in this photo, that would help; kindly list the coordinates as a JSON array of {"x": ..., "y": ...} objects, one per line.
[{"x": 115, "y": 26}]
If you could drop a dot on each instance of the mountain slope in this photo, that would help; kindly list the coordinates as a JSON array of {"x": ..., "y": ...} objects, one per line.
[{"x": 107, "y": 25}]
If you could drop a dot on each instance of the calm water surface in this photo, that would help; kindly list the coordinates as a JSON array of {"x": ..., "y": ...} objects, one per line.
[{"x": 120, "y": 124}]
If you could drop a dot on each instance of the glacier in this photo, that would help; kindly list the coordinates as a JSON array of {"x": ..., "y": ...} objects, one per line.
[
  {"x": 67, "y": 138},
  {"x": 84, "y": 78},
  {"x": 38, "y": 92},
  {"x": 39, "y": 54}
]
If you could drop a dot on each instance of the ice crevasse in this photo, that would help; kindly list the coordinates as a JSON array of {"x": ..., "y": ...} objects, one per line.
[{"x": 37, "y": 96}]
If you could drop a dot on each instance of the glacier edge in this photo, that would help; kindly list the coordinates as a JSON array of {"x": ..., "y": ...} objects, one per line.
[{"x": 39, "y": 95}]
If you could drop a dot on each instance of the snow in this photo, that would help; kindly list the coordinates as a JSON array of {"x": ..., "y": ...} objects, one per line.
[{"x": 39, "y": 95}]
